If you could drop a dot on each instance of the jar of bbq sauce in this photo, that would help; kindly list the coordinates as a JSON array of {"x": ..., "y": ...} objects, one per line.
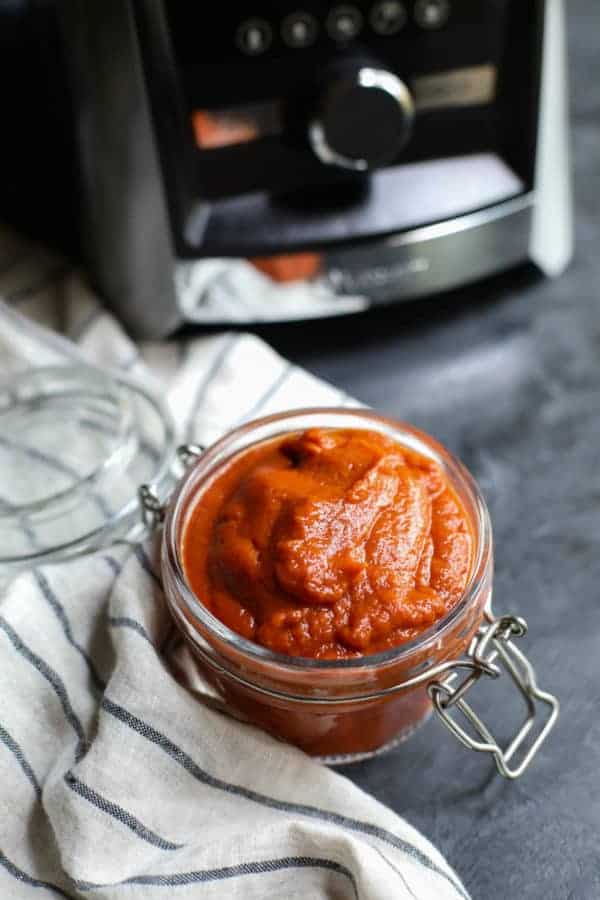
[{"x": 331, "y": 571}]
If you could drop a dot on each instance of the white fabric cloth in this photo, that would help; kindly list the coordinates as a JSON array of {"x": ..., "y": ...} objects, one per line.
[{"x": 115, "y": 780}]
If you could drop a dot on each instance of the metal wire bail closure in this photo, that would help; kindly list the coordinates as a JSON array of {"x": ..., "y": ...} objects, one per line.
[
  {"x": 152, "y": 508},
  {"x": 494, "y": 644}
]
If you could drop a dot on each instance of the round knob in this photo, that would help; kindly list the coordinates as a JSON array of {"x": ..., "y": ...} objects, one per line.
[{"x": 364, "y": 119}]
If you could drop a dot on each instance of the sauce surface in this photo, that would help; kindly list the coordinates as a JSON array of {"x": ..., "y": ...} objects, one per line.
[{"x": 328, "y": 544}]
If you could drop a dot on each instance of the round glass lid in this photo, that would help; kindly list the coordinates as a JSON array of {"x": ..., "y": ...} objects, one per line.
[{"x": 75, "y": 445}]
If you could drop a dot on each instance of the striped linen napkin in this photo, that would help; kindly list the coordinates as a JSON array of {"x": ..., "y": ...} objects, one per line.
[{"x": 115, "y": 780}]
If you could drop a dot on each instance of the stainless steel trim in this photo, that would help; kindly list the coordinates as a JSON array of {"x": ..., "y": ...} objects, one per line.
[
  {"x": 403, "y": 266},
  {"x": 126, "y": 224},
  {"x": 463, "y": 223},
  {"x": 434, "y": 258}
]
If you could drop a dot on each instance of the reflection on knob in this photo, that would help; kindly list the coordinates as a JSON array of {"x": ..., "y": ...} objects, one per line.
[{"x": 364, "y": 119}]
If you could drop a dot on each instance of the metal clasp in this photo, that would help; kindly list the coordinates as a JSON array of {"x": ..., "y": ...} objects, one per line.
[
  {"x": 493, "y": 644},
  {"x": 153, "y": 509}
]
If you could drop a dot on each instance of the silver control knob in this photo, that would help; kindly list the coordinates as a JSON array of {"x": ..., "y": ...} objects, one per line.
[{"x": 363, "y": 120}]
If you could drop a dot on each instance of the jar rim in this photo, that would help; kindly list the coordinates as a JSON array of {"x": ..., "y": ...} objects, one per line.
[
  {"x": 141, "y": 433},
  {"x": 47, "y": 383},
  {"x": 213, "y": 459}
]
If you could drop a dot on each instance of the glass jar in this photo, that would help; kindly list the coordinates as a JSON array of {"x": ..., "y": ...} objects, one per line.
[
  {"x": 342, "y": 711},
  {"x": 75, "y": 442}
]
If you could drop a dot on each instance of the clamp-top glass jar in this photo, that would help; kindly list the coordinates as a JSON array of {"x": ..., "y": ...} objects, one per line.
[{"x": 345, "y": 710}]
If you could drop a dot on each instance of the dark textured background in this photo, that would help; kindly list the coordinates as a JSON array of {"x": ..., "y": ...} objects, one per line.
[{"x": 508, "y": 376}]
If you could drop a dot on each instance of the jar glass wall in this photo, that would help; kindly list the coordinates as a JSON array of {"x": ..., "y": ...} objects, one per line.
[
  {"x": 75, "y": 443},
  {"x": 336, "y": 709}
]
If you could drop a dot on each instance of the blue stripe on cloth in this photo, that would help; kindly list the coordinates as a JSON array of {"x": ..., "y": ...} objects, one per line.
[
  {"x": 114, "y": 564},
  {"x": 127, "y": 622},
  {"x": 182, "y": 759},
  {"x": 229, "y": 342},
  {"x": 395, "y": 869},
  {"x": 149, "y": 451},
  {"x": 58, "y": 610},
  {"x": 202, "y": 876},
  {"x": 55, "y": 682},
  {"x": 17, "y": 752},
  {"x": 58, "y": 465},
  {"x": 35, "y": 453},
  {"x": 144, "y": 445},
  {"x": 24, "y": 878},
  {"x": 146, "y": 564},
  {"x": 271, "y": 391},
  {"x": 117, "y": 812}
]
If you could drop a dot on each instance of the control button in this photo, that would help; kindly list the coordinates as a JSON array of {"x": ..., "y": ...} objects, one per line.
[
  {"x": 388, "y": 17},
  {"x": 254, "y": 36},
  {"x": 344, "y": 23},
  {"x": 362, "y": 120},
  {"x": 432, "y": 13},
  {"x": 299, "y": 29}
]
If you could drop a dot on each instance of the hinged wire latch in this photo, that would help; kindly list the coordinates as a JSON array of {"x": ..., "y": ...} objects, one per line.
[
  {"x": 153, "y": 509},
  {"x": 494, "y": 645}
]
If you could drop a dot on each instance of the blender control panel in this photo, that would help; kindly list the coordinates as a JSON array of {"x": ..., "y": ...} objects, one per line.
[
  {"x": 273, "y": 45},
  {"x": 281, "y": 96},
  {"x": 293, "y": 106},
  {"x": 301, "y": 29}
]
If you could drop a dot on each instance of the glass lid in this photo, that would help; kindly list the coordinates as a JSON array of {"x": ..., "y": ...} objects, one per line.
[{"x": 75, "y": 445}]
